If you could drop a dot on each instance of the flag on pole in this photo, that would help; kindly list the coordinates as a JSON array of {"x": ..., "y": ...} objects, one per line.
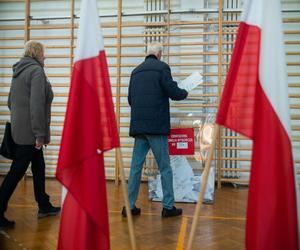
[
  {"x": 255, "y": 103},
  {"x": 89, "y": 130}
]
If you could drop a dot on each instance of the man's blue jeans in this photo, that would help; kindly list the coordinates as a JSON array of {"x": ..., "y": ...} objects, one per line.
[{"x": 159, "y": 147}]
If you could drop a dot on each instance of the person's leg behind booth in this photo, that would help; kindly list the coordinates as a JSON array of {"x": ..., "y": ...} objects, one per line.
[
  {"x": 140, "y": 150},
  {"x": 159, "y": 146}
]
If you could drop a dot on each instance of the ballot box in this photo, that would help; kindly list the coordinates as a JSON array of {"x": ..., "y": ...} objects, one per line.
[{"x": 188, "y": 148}]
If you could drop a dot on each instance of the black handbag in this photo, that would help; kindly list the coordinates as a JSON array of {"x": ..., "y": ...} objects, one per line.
[{"x": 8, "y": 146}]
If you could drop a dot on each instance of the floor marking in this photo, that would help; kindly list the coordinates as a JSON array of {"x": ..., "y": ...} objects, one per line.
[{"x": 181, "y": 236}]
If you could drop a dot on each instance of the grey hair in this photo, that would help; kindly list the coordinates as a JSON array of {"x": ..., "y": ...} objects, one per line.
[
  {"x": 33, "y": 49},
  {"x": 154, "y": 48}
]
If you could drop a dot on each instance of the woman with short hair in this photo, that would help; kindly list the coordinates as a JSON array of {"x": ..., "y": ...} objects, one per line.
[{"x": 29, "y": 101}]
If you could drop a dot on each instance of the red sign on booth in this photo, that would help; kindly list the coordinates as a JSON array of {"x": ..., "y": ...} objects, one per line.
[{"x": 181, "y": 141}]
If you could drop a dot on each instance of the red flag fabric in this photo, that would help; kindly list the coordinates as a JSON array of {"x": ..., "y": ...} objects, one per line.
[
  {"x": 89, "y": 130},
  {"x": 255, "y": 104}
]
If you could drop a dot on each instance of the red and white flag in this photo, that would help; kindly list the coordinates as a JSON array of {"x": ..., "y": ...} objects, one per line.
[
  {"x": 89, "y": 130},
  {"x": 255, "y": 103}
]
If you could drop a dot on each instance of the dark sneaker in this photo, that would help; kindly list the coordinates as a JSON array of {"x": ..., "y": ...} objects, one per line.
[
  {"x": 171, "y": 212},
  {"x": 5, "y": 223},
  {"x": 134, "y": 211},
  {"x": 48, "y": 211}
]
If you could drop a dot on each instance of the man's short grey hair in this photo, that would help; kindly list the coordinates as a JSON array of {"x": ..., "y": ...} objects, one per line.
[{"x": 154, "y": 48}]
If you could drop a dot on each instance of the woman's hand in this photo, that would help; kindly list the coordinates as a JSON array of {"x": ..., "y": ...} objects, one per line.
[{"x": 39, "y": 142}]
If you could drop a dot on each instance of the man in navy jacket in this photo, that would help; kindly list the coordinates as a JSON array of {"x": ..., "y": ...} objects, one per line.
[{"x": 151, "y": 85}]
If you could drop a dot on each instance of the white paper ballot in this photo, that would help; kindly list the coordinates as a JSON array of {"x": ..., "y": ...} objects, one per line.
[
  {"x": 191, "y": 81},
  {"x": 186, "y": 185}
]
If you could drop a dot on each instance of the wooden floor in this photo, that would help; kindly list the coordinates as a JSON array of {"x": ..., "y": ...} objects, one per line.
[{"x": 221, "y": 225}]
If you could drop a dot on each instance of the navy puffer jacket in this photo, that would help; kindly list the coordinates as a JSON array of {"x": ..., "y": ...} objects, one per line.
[{"x": 151, "y": 85}]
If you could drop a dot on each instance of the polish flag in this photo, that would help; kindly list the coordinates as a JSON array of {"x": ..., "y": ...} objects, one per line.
[
  {"x": 255, "y": 103},
  {"x": 89, "y": 130}
]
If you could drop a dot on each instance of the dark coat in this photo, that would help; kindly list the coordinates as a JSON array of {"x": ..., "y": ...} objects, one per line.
[
  {"x": 30, "y": 101},
  {"x": 151, "y": 85}
]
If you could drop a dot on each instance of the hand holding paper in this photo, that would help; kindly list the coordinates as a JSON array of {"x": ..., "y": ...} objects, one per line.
[{"x": 191, "y": 81}]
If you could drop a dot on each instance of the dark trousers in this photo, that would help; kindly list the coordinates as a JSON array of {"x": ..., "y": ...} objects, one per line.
[{"x": 24, "y": 155}]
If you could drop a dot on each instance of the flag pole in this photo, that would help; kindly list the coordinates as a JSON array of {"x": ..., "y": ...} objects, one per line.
[
  {"x": 203, "y": 187},
  {"x": 128, "y": 210}
]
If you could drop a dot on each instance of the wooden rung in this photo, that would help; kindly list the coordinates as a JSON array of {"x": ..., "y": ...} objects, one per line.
[
  {"x": 286, "y": 42},
  {"x": 47, "y": 56},
  {"x": 291, "y": 20},
  {"x": 63, "y": 85},
  {"x": 296, "y": 128},
  {"x": 195, "y": 53},
  {"x": 294, "y": 85},
  {"x": 235, "y": 159},
  {"x": 50, "y": 37},
  {"x": 46, "y": 27},
  {"x": 11, "y": 38},
  {"x": 57, "y": 66},
  {"x": 295, "y": 117},
  {"x": 130, "y": 65},
  {"x": 235, "y": 170},
  {"x": 234, "y": 180},
  {"x": 294, "y": 106},
  {"x": 174, "y": 74},
  {"x": 225, "y": 137},
  {"x": 293, "y": 53},
  {"x": 11, "y": 27},
  {"x": 294, "y": 74},
  {"x": 9, "y": 57},
  {"x": 58, "y": 46},
  {"x": 184, "y": 34},
  {"x": 165, "y": 44},
  {"x": 292, "y": 32},
  {"x": 12, "y": 47},
  {"x": 292, "y": 42},
  {"x": 182, "y": 105},
  {"x": 237, "y": 148},
  {"x": 293, "y": 63},
  {"x": 290, "y": 53}
]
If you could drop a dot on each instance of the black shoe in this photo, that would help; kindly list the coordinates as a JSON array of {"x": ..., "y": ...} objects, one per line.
[
  {"x": 171, "y": 212},
  {"x": 5, "y": 223},
  {"x": 134, "y": 211},
  {"x": 48, "y": 211}
]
